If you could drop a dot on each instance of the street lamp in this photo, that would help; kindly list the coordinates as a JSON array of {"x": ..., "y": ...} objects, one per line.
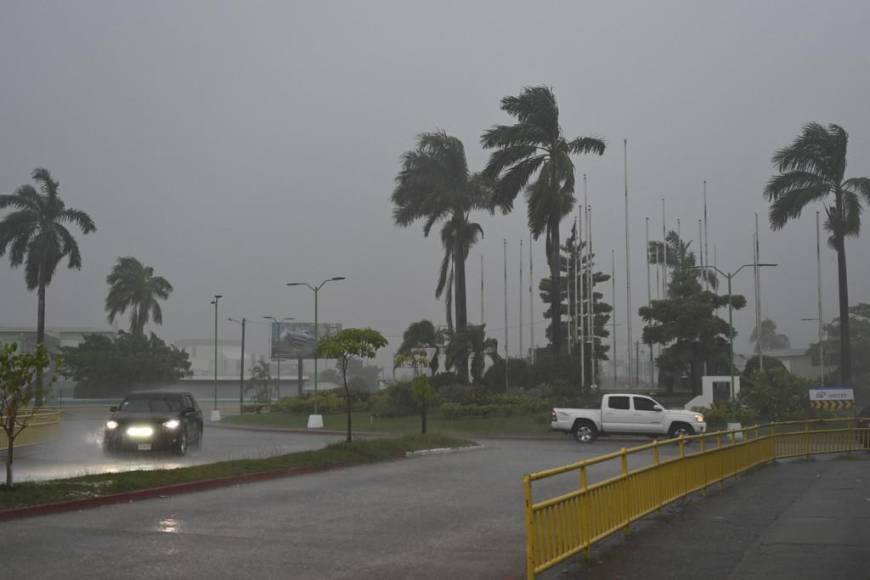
[
  {"x": 278, "y": 381},
  {"x": 730, "y": 318},
  {"x": 241, "y": 365},
  {"x": 315, "y": 420},
  {"x": 215, "y": 414}
]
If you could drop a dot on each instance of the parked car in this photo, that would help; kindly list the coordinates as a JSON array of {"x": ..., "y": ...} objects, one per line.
[
  {"x": 626, "y": 414},
  {"x": 152, "y": 421}
]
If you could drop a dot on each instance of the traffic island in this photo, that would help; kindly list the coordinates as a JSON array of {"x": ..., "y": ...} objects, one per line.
[{"x": 38, "y": 498}]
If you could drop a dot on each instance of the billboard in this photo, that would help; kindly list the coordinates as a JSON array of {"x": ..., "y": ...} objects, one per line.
[{"x": 292, "y": 340}]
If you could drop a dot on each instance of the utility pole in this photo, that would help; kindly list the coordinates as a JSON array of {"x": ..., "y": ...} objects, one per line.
[{"x": 215, "y": 413}]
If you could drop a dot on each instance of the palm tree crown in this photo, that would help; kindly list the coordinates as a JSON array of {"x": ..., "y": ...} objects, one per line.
[
  {"x": 435, "y": 186},
  {"x": 534, "y": 155},
  {"x": 812, "y": 169},
  {"x": 37, "y": 235},
  {"x": 133, "y": 285}
]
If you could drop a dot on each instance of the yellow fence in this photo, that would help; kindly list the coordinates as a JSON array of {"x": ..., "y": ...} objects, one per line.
[
  {"x": 42, "y": 425},
  {"x": 595, "y": 498}
]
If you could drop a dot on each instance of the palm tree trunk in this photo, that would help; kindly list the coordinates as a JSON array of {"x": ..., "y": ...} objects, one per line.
[
  {"x": 845, "y": 342},
  {"x": 459, "y": 304},
  {"x": 556, "y": 291},
  {"x": 40, "y": 314}
]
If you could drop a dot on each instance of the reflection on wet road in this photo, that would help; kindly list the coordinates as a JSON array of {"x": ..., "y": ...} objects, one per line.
[{"x": 78, "y": 450}]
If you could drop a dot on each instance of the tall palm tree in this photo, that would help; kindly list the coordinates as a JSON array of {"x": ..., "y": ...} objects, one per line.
[
  {"x": 133, "y": 285},
  {"x": 435, "y": 185},
  {"x": 535, "y": 145},
  {"x": 421, "y": 335},
  {"x": 37, "y": 235},
  {"x": 812, "y": 169}
]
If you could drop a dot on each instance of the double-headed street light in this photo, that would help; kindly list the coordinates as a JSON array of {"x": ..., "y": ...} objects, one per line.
[
  {"x": 316, "y": 289},
  {"x": 278, "y": 381},
  {"x": 215, "y": 414},
  {"x": 730, "y": 318}
]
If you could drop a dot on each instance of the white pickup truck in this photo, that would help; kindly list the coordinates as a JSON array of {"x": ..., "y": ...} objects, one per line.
[{"x": 626, "y": 414}]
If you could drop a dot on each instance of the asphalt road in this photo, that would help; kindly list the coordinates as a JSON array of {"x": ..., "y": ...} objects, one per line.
[
  {"x": 78, "y": 449},
  {"x": 457, "y": 515}
]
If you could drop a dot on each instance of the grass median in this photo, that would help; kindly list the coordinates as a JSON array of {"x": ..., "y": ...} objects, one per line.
[
  {"x": 104, "y": 484},
  {"x": 514, "y": 425}
]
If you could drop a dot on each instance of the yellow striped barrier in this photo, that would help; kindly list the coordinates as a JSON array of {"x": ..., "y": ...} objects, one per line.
[
  {"x": 568, "y": 523},
  {"x": 42, "y": 425}
]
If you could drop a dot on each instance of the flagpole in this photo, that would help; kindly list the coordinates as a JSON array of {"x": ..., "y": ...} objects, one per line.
[
  {"x": 663, "y": 267},
  {"x": 819, "y": 295},
  {"x": 706, "y": 232},
  {"x": 628, "y": 314},
  {"x": 756, "y": 251},
  {"x": 482, "y": 314},
  {"x": 649, "y": 301},
  {"x": 578, "y": 300},
  {"x": 591, "y": 297},
  {"x": 531, "y": 300},
  {"x": 613, "y": 314}
]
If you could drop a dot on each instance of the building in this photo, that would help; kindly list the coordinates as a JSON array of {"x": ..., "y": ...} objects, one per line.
[{"x": 55, "y": 336}]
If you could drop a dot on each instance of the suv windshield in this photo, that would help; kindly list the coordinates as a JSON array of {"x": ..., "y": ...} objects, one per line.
[{"x": 155, "y": 405}]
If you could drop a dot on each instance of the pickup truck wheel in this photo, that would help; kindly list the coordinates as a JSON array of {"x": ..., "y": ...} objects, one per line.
[
  {"x": 681, "y": 430},
  {"x": 585, "y": 432}
]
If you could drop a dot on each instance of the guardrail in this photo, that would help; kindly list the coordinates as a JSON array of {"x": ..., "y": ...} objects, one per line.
[
  {"x": 570, "y": 522},
  {"x": 42, "y": 425}
]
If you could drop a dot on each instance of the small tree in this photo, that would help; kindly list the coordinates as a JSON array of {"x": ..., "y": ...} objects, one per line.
[
  {"x": 421, "y": 386},
  {"x": 776, "y": 394},
  {"x": 21, "y": 393},
  {"x": 345, "y": 345}
]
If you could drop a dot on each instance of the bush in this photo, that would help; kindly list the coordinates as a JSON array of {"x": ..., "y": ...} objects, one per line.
[
  {"x": 720, "y": 414},
  {"x": 495, "y": 406},
  {"x": 397, "y": 400},
  {"x": 327, "y": 403},
  {"x": 776, "y": 395}
]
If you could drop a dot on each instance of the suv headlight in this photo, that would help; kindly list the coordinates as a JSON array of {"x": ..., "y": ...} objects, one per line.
[
  {"x": 699, "y": 418},
  {"x": 172, "y": 424},
  {"x": 111, "y": 424}
]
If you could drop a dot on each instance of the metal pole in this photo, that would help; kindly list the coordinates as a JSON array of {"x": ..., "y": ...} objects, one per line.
[
  {"x": 482, "y": 312},
  {"x": 593, "y": 361},
  {"x": 278, "y": 380},
  {"x": 628, "y": 313},
  {"x": 819, "y": 295},
  {"x": 242, "y": 371},
  {"x": 531, "y": 299},
  {"x": 299, "y": 377},
  {"x": 730, "y": 338},
  {"x": 577, "y": 302},
  {"x": 649, "y": 304},
  {"x": 706, "y": 232},
  {"x": 663, "y": 267},
  {"x": 758, "y": 319},
  {"x": 316, "y": 346},
  {"x": 506, "y": 351},
  {"x": 613, "y": 313},
  {"x": 520, "y": 294},
  {"x": 217, "y": 297}
]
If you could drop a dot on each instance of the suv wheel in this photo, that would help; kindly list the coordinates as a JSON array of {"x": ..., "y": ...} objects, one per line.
[{"x": 681, "y": 430}]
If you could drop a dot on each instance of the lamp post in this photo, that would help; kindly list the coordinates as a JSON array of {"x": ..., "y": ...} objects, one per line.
[
  {"x": 215, "y": 414},
  {"x": 730, "y": 310},
  {"x": 278, "y": 380},
  {"x": 315, "y": 420},
  {"x": 241, "y": 366}
]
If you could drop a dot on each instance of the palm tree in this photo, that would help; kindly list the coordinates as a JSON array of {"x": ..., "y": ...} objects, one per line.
[
  {"x": 812, "y": 169},
  {"x": 133, "y": 285},
  {"x": 434, "y": 185},
  {"x": 765, "y": 337},
  {"x": 37, "y": 235},
  {"x": 676, "y": 255},
  {"x": 472, "y": 344},
  {"x": 422, "y": 335},
  {"x": 535, "y": 145}
]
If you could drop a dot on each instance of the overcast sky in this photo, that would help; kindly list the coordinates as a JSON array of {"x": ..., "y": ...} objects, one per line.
[{"x": 236, "y": 146}]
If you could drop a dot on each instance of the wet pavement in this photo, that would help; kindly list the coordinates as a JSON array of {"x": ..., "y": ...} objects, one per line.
[{"x": 78, "y": 449}]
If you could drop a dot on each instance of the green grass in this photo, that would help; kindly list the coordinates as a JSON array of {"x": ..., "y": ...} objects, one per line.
[
  {"x": 355, "y": 453},
  {"x": 538, "y": 425}
]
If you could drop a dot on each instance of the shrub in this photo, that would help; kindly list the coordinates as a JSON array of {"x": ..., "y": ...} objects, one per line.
[
  {"x": 327, "y": 403},
  {"x": 776, "y": 395},
  {"x": 720, "y": 414},
  {"x": 397, "y": 400}
]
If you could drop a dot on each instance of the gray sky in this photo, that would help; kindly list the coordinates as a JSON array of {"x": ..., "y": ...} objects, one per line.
[{"x": 236, "y": 146}]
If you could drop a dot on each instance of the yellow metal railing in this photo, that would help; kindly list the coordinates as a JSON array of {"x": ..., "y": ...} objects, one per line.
[
  {"x": 648, "y": 477},
  {"x": 42, "y": 425}
]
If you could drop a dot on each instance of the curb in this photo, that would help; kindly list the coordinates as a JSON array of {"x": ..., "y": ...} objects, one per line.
[
  {"x": 443, "y": 450},
  {"x": 157, "y": 492}
]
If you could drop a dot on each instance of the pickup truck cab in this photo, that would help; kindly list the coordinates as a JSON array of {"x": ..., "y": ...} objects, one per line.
[{"x": 627, "y": 414}]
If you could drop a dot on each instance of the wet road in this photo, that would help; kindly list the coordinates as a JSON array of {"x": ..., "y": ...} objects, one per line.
[
  {"x": 458, "y": 515},
  {"x": 78, "y": 450}
]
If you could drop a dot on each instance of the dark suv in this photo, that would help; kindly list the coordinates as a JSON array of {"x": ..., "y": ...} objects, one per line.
[{"x": 154, "y": 421}]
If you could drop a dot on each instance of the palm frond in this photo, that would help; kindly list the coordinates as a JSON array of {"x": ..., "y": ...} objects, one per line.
[
  {"x": 859, "y": 185},
  {"x": 79, "y": 218},
  {"x": 785, "y": 183},
  {"x": 791, "y": 204},
  {"x": 584, "y": 145},
  {"x": 815, "y": 151},
  {"x": 514, "y": 180},
  {"x": 48, "y": 186}
]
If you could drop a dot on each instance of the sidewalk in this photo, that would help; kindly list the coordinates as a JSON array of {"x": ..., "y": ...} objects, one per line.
[{"x": 795, "y": 519}]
